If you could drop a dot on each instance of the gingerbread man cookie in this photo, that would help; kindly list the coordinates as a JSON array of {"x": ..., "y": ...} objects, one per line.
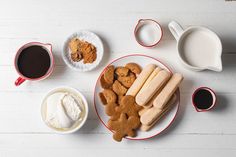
[
  {"x": 128, "y": 106},
  {"x": 112, "y": 110},
  {"x": 123, "y": 126}
]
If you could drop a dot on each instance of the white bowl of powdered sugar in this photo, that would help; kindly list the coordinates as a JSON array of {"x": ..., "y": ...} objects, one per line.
[{"x": 64, "y": 109}]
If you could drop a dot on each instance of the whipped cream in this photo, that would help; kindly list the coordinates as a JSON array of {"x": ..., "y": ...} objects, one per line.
[{"x": 63, "y": 110}]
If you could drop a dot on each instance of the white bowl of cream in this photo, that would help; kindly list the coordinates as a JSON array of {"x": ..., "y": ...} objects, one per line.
[{"x": 64, "y": 109}]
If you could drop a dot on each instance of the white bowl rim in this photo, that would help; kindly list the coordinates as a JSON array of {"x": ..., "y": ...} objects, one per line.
[{"x": 85, "y": 105}]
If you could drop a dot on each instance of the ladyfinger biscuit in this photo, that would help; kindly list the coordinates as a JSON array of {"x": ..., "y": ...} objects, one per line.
[
  {"x": 155, "y": 84},
  {"x": 144, "y": 127},
  {"x": 166, "y": 93},
  {"x": 150, "y": 102},
  {"x": 153, "y": 74},
  {"x": 153, "y": 113},
  {"x": 142, "y": 111},
  {"x": 148, "y": 105},
  {"x": 142, "y": 77},
  {"x": 150, "y": 115}
]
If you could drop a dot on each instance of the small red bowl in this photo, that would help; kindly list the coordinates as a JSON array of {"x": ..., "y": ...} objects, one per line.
[
  {"x": 213, "y": 95},
  {"x": 143, "y": 22}
]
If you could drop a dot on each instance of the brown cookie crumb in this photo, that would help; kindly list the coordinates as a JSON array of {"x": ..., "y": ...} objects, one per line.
[
  {"x": 127, "y": 81},
  {"x": 135, "y": 68},
  {"x": 77, "y": 56},
  {"x": 82, "y": 50},
  {"x": 122, "y": 71},
  {"x": 118, "y": 88},
  {"x": 104, "y": 84},
  {"x": 109, "y": 95},
  {"x": 73, "y": 45},
  {"x": 109, "y": 74},
  {"x": 89, "y": 53},
  {"x": 119, "y": 99},
  {"x": 102, "y": 98}
]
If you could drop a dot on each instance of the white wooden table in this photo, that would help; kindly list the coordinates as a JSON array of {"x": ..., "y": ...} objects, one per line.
[{"x": 22, "y": 132}]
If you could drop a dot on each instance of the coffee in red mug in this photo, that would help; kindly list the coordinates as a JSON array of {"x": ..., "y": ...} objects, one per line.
[
  {"x": 203, "y": 99},
  {"x": 34, "y": 61}
]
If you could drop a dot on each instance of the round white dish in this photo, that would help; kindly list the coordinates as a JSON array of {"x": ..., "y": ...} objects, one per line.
[
  {"x": 75, "y": 93},
  {"x": 89, "y": 37},
  {"x": 163, "y": 124},
  {"x": 148, "y": 32}
]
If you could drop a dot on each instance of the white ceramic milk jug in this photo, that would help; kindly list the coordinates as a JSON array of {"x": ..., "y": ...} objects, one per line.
[{"x": 198, "y": 47}]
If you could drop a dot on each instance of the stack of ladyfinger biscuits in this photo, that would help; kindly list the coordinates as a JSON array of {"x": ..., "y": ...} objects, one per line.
[{"x": 154, "y": 90}]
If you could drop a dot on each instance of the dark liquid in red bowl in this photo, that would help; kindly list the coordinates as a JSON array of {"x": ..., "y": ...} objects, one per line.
[
  {"x": 203, "y": 99},
  {"x": 34, "y": 62}
]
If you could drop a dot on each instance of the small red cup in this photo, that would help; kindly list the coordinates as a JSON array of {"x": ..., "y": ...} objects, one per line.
[
  {"x": 213, "y": 97},
  {"x": 23, "y": 78},
  {"x": 140, "y": 24}
]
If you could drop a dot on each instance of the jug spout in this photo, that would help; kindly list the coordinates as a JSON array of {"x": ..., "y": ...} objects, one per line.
[
  {"x": 48, "y": 46},
  {"x": 217, "y": 67}
]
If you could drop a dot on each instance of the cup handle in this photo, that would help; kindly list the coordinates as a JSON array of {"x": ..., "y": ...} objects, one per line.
[
  {"x": 19, "y": 81},
  {"x": 175, "y": 29}
]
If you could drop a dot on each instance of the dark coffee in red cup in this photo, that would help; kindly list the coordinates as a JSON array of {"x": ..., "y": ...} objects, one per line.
[
  {"x": 34, "y": 61},
  {"x": 204, "y": 99}
]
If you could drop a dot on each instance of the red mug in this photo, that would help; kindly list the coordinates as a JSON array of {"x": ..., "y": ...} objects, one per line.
[{"x": 22, "y": 78}]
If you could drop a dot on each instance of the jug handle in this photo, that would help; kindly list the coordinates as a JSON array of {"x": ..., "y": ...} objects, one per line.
[{"x": 176, "y": 29}]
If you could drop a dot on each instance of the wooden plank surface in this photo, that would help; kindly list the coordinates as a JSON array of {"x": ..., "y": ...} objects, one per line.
[{"x": 22, "y": 132}]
